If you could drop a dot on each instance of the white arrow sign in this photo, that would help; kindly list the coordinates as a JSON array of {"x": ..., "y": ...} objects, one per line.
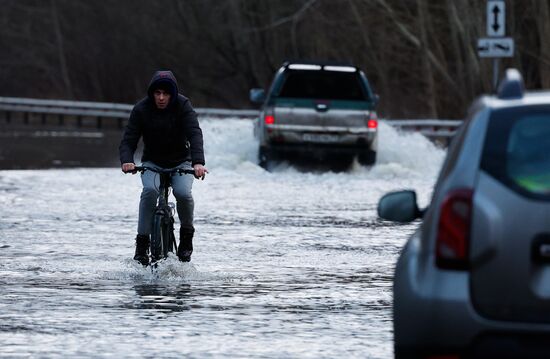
[
  {"x": 496, "y": 18},
  {"x": 495, "y": 47}
]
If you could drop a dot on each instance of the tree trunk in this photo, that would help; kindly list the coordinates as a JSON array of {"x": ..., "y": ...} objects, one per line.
[
  {"x": 61, "y": 50},
  {"x": 542, "y": 10},
  {"x": 426, "y": 66}
]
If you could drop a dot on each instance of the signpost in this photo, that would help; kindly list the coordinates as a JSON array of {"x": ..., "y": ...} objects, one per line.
[
  {"x": 496, "y": 45},
  {"x": 496, "y": 18}
]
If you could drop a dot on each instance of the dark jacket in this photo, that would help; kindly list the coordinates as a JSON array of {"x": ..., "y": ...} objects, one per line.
[{"x": 170, "y": 136}]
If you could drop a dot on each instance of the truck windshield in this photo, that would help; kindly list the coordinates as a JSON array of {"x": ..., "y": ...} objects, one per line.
[{"x": 326, "y": 85}]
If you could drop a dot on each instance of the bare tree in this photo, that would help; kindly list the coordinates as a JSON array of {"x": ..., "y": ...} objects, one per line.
[
  {"x": 61, "y": 49},
  {"x": 419, "y": 55}
]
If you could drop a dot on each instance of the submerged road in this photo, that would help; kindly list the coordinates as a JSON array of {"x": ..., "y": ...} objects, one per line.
[{"x": 286, "y": 264}]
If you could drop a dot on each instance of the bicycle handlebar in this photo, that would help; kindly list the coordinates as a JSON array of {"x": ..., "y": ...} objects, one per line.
[{"x": 163, "y": 170}]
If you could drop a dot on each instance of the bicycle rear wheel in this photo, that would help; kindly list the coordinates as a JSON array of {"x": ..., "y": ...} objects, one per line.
[
  {"x": 170, "y": 242},
  {"x": 167, "y": 234},
  {"x": 157, "y": 238}
]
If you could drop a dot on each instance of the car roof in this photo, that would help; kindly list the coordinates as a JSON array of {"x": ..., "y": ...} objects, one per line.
[
  {"x": 529, "y": 98},
  {"x": 511, "y": 93}
]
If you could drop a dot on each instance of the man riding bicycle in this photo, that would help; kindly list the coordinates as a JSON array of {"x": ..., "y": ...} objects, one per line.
[{"x": 172, "y": 137}]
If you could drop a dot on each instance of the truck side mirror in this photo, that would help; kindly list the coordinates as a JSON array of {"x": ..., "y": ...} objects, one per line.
[
  {"x": 376, "y": 99},
  {"x": 257, "y": 96}
]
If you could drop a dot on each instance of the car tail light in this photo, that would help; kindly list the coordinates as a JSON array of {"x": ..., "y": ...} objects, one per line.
[
  {"x": 269, "y": 119},
  {"x": 373, "y": 120},
  {"x": 453, "y": 235}
]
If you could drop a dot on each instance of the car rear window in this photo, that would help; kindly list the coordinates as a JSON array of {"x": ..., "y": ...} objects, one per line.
[
  {"x": 327, "y": 85},
  {"x": 517, "y": 150}
]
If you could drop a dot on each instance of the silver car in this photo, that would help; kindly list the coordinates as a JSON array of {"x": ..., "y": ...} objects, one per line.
[
  {"x": 317, "y": 111},
  {"x": 474, "y": 280}
]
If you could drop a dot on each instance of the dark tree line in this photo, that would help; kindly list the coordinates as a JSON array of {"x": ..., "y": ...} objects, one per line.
[{"x": 420, "y": 55}]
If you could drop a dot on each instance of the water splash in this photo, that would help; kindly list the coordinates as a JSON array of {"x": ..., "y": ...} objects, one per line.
[
  {"x": 230, "y": 144},
  {"x": 406, "y": 153},
  {"x": 169, "y": 270}
]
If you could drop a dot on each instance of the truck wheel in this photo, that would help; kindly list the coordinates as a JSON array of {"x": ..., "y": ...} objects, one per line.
[
  {"x": 264, "y": 157},
  {"x": 367, "y": 158}
]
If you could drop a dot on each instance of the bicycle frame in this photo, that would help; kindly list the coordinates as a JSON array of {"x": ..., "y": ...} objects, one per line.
[
  {"x": 164, "y": 210},
  {"x": 162, "y": 236}
]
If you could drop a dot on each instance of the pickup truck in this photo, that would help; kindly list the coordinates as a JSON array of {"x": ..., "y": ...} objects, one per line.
[{"x": 318, "y": 111}]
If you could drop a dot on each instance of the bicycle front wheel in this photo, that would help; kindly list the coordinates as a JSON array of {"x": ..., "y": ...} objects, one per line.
[{"x": 157, "y": 238}]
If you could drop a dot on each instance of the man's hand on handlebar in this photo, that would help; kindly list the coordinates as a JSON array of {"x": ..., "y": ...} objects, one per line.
[
  {"x": 200, "y": 171},
  {"x": 129, "y": 167}
]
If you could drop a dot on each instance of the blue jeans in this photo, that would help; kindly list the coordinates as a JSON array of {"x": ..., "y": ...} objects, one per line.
[{"x": 181, "y": 188}]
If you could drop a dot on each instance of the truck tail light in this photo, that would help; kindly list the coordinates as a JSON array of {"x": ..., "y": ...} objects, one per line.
[
  {"x": 453, "y": 235},
  {"x": 269, "y": 120},
  {"x": 373, "y": 120}
]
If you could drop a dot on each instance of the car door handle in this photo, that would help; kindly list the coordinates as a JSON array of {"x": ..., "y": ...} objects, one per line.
[
  {"x": 544, "y": 250},
  {"x": 540, "y": 250}
]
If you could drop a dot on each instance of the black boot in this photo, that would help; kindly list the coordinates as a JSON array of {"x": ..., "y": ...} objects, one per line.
[
  {"x": 185, "y": 248},
  {"x": 142, "y": 249}
]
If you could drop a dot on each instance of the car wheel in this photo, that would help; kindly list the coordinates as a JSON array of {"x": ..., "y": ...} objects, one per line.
[{"x": 367, "y": 158}]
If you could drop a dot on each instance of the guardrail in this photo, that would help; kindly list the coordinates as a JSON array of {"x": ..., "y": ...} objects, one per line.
[
  {"x": 98, "y": 111},
  {"x": 440, "y": 130}
]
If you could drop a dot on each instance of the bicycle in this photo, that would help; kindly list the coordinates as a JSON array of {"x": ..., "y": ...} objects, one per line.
[{"x": 162, "y": 234}]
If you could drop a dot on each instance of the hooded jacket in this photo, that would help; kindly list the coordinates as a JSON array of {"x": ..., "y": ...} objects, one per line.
[{"x": 171, "y": 135}]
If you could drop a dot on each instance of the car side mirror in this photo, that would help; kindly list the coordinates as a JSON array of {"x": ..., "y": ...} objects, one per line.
[
  {"x": 399, "y": 206},
  {"x": 257, "y": 96}
]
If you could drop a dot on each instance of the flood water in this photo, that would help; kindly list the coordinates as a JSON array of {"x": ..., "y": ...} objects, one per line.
[{"x": 286, "y": 264}]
